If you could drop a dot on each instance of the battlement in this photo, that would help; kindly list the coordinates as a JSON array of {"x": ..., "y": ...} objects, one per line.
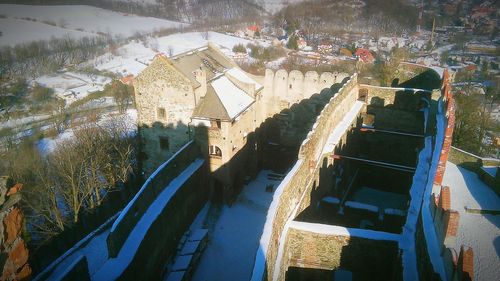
[{"x": 294, "y": 86}]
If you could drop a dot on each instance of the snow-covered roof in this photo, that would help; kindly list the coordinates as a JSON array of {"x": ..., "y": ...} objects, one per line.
[{"x": 232, "y": 98}]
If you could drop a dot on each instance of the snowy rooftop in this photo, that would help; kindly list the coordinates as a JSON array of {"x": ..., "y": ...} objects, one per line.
[
  {"x": 233, "y": 98},
  {"x": 479, "y": 231}
]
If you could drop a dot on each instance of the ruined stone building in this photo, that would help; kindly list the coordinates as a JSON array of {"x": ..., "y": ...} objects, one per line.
[{"x": 358, "y": 200}]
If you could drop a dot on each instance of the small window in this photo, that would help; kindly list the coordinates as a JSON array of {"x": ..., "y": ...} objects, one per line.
[
  {"x": 164, "y": 143},
  {"x": 215, "y": 124},
  {"x": 290, "y": 86},
  {"x": 214, "y": 151},
  {"x": 162, "y": 114}
]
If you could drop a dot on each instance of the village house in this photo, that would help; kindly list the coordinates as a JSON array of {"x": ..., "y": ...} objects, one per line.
[
  {"x": 252, "y": 31},
  {"x": 301, "y": 43},
  {"x": 364, "y": 55},
  {"x": 325, "y": 47}
]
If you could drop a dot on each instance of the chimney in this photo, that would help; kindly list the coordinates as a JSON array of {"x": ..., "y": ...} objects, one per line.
[{"x": 200, "y": 76}]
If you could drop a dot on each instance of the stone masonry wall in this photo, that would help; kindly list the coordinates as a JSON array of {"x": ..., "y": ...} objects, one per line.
[
  {"x": 161, "y": 86},
  {"x": 148, "y": 193},
  {"x": 445, "y": 221},
  {"x": 161, "y": 240},
  {"x": 13, "y": 250},
  {"x": 302, "y": 175},
  {"x": 282, "y": 89},
  {"x": 359, "y": 255}
]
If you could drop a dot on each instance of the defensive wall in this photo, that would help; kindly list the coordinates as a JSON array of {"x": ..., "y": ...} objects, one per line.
[
  {"x": 475, "y": 163},
  {"x": 437, "y": 223},
  {"x": 175, "y": 212},
  {"x": 282, "y": 88},
  {"x": 302, "y": 178},
  {"x": 330, "y": 247},
  {"x": 293, "y": 195}
]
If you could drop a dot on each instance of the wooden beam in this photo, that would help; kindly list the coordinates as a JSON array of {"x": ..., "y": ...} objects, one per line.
[
  {"x": 377, "y": 163},
  {"x": 369, "y": 129}
]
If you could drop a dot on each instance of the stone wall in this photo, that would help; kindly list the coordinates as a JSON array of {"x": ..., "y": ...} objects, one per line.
[
  {"x": 445, "y": 221},
  {"x": 300, "y": 179},
  {"x": 396, "y": 98},
  {"x": 13, "y": 250},
  {"x": 330, "y": 251},
  {"x": 161, "y": 86},
  {"x": 159, "y": 245},
  {"x": 282, "y": 89},
  {"x": 148, "y": 193}
]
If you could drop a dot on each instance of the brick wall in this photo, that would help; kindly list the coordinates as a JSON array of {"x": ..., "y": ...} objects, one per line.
[
  {"x": 13, "y": 251},
  {"x": 446, "y": 223}
]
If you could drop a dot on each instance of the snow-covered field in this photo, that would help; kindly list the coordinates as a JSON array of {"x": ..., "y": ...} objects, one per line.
[
  {"x": 72, "y": 86},
  {"x": 17, "y": 31},
  {"x": 72, "y": 20},
  {"x": 134, "y": 57},
  {"x": 479, "y": 231}
]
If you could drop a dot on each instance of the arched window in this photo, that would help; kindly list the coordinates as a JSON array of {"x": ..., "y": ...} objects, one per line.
[{"x": 214, "y": 151}]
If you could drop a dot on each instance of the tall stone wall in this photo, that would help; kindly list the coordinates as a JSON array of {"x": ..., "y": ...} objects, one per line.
[
  {"x": 445, "y": 221},
  {"x": 299, "y": 180},
  {"x": 283, "y": 89},
  {"x": 148, "y": 193},
  {"x": 159, "y": 245},
  {"x": 161, "y": 86},
  {"x": 13, "y": 251}
]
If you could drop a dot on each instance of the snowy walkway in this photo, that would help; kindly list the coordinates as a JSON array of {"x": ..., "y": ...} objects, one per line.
[
  {"x": 232, "y": 244},
  {"x": 479, "y": 231}
]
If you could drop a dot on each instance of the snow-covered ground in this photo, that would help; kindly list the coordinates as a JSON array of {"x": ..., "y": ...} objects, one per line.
[
  {"x": 134, "y": 57},
  {"x": 232, "y": 244},
  {"x": 72, "y": 86},
  {"x": 274, "y": 6},
  {"x": 17, "y": 31},
  {"x": 11, "y": 123},
  {"x": 479, "y": 231},
  {"x": 75, "y": 20}
]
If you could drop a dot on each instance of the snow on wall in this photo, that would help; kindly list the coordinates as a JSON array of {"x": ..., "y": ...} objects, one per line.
[
  {"x": 260, "y": 258},
  {"x": 344, "y": 231},
  {"x": 86, "y": 240},
  {"x": 114, "y": 267},
  {"x": 145, "y": 185},
  {"x": 433, "y": 247},
  {"x": 420, "y": 179},
  {"x": 287, "y": 196}
]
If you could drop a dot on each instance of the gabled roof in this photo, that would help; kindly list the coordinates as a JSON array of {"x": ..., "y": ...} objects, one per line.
[
  {"x": 210, "y": 107},
  {"x": 208, "y": 59},
  {"x": 223, "y": 100}
]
